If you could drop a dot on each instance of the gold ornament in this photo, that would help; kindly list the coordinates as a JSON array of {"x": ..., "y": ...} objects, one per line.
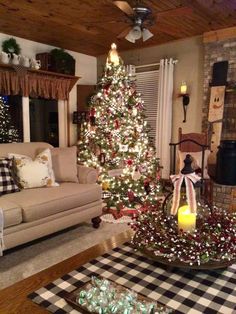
[{"x": 105, "y": 185}]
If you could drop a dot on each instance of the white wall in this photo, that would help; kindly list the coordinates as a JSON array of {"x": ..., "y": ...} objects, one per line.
[{"x": 86, "y": 68}]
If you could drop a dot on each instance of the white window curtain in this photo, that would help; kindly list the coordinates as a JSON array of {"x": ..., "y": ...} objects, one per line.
[
  {"x": 164, "y": 114},
  {"x": 62, "y": 122}
]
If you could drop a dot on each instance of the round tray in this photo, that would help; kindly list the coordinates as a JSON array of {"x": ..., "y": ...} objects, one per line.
[{"x": 206, "y": 266}]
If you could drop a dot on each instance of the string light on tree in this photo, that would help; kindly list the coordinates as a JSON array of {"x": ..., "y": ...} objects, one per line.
[
  {"x": 118, "y": 144},
  {"x": 8, "y": 133}
]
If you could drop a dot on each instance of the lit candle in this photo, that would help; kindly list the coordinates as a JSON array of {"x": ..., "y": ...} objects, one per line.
[{"x": 186, "y": 219}]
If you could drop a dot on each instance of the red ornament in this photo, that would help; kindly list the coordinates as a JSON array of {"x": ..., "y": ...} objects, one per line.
[
  {"x": 92, "y": 112},
  {"x": 129, "y": 162},
  {"x": 117, "y": 124},
  {"x": 106, "y": 89},
  {"x": 147, "y": 186},
  {"x": 130, "y": 196}
]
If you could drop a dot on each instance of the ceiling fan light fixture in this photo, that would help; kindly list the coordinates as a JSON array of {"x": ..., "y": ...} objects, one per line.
[
  {"x": 146, "y": 34},
  {"x": 136, "y": 32},
  {"x": 130, "y": 37}
]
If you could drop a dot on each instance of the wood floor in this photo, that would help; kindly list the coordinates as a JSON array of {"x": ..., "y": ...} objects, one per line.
[{"x": 14, "y": 298}]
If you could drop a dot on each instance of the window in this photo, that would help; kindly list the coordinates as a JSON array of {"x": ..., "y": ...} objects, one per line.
[
  {"x": 147, "y": 85},
  {"x": 44, "y": 121},
  {"x": 11, "y": 126}
]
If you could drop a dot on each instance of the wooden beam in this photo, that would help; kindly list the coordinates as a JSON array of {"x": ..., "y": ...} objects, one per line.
[{"x": 220, "y": 34}]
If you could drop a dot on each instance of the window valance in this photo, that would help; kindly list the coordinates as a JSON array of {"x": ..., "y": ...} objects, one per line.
[{"x": 17, "y": 80}]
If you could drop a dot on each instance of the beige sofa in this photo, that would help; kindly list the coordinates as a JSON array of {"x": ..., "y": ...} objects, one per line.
[{"x": 34, "y": 213}]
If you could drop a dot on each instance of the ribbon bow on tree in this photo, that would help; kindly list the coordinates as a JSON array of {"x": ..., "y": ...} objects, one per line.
[{"x": 189, "y": 179}]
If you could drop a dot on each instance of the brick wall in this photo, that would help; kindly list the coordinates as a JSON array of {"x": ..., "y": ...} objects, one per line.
[
  {"x": 224, "y": 196},
  {"x": 221, "y": 195}
]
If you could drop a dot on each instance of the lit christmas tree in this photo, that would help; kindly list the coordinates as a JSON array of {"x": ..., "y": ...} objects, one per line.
[
  {"x": 115, "y": 141},
  {"x": 8, "y": 133}
]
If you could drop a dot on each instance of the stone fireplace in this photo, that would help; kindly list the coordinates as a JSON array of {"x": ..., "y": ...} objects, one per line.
[{"x": 219, "y": 46}]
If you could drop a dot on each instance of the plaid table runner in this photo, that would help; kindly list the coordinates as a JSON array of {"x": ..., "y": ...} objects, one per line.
[{"x": 186, "y": 291}]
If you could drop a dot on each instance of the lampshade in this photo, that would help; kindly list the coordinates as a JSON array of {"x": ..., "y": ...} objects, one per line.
[
  {"x": 130, "y": 37},
  {"x": 146, "y": 34},
  {"x": 134, "y": 34}
]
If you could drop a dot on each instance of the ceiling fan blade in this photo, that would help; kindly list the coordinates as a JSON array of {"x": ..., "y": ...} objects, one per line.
[
  {"x": 124, "y": 32},
  {"x": 124, "y": 6},
  {"x": 175, "y": 12}
]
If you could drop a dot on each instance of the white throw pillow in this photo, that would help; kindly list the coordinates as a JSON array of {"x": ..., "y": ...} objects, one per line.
[
  {"x": 34, "y": 173},
  {"x": 197, "y": 161}
]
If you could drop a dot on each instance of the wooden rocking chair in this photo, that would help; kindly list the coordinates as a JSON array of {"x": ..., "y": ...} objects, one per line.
[{"x": 192, "y": 143}]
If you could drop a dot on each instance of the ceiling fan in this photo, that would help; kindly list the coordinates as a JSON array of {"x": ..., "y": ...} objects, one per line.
[{"x": 140, "y": 17}]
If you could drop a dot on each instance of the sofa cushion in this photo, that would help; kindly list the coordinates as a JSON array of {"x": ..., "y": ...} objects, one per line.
[
  {"x": 7, "y": 183},
  {"x": 42, "y": 202},
  {"x": 64, "y": 163},
  {"x": 34, "y": 173},
  {"x": 12, "y": 214},
  {"x": 29, "y": 149}
]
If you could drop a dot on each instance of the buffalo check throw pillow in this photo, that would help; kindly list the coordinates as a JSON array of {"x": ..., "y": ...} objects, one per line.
[{"x": 7, "y": 183}]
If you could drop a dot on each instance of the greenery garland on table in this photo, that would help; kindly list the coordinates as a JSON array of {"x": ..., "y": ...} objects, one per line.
[
  {"x": 11, "y": 46},
  {"x": 213, "y": 240}
]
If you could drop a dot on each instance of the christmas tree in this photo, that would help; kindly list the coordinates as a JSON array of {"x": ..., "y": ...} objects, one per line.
[
  {"x": 8, "y": 133},
  {"x": 114, "y": 139}
]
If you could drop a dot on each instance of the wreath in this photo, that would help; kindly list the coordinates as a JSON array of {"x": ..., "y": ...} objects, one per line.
[
  {"x": 10, "y": 46},
  {"x": 62, "y": 61}
]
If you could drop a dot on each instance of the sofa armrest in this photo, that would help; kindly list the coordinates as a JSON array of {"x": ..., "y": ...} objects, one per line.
[{"x": 86, "y": 174}]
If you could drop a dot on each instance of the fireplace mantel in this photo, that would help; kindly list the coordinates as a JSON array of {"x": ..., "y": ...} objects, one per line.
[{"x": 19, "y": 80}]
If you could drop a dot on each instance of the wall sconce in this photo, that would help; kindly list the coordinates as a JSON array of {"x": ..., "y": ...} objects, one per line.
[{"x": 186, "y": 99}]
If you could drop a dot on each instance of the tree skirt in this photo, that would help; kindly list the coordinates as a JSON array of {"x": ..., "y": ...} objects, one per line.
[{"x": 110, "y": 218}]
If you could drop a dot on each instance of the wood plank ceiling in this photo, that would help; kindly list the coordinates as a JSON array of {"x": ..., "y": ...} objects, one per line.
[{"x": 90, "y": 26}]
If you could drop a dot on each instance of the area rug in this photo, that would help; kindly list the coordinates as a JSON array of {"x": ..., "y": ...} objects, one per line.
[
  {"x": 185, "y": 291},
  {"x": 29, "y": 259}
]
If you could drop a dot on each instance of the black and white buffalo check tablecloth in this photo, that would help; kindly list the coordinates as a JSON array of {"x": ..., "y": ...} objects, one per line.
[{"x": 186, "y": 291}]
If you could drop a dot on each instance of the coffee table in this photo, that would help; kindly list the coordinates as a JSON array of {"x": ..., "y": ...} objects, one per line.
[
  {"x": 185, "y": 291},
  {"x": 14, "y": 299}
]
